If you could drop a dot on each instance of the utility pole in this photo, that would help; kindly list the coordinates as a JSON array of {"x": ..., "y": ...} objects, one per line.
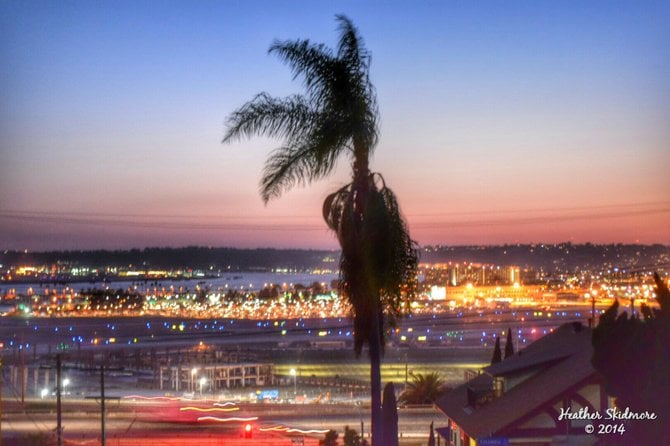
[
  {"x": 23, "y": 370},
  {"x": 102, "y": 402},
  {"x": 1, "y": 379},
  {"x": 59, "y": 429},
  {"x": 406, "y": 370}
]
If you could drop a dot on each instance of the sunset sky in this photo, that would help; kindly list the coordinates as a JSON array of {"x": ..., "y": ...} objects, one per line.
[{"x": 501, "y": 122}]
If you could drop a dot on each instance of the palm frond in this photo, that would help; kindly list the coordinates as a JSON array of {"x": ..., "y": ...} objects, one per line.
[
  {"x": 313, "y": 62},
  {"x": 423, "y": 389},
  {"x": 306, "y": 160},
  {"x": 268, "y": 116},
  {"x": 378, "y": 264},
  {"x": 350, "y": 46}
]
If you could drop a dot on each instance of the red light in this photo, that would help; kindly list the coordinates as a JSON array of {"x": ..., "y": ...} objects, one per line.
[
  {"x": 247, "y": 431},
  {"x": 247, "y": 428}
]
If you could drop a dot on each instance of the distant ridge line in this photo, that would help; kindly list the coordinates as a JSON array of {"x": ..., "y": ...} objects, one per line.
[{"x": 564, "y": 256}]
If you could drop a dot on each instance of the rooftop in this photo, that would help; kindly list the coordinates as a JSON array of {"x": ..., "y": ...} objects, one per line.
[{"x": 545, "y": 370}]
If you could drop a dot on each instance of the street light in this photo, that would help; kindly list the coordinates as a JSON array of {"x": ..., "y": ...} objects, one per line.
[
  {"x": 293, "y": 373},
  {"x": 360, "y": 414},
  {"x": 203, "y": 381},
  {"x": 194, "y": 371}
]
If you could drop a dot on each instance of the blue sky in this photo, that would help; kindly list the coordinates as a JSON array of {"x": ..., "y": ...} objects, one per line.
[{"x": 502, "y": 121}]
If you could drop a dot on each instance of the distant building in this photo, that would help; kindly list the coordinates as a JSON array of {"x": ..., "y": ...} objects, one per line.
[
  {"x": 513, "y": 274},
  {"x": 457, "y": 274},
  {"x": 520, "y": 400},
  {"x": 218, "y": 376}
]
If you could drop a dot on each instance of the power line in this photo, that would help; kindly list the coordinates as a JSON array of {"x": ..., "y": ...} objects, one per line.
[
  {"x": 540, "y": 219},
  {"x": 293, "y": 216},
  {"x": 117, "y": 220}
]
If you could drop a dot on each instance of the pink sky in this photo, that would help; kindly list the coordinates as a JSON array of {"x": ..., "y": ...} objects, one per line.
[{"x": 498, "y": 125}]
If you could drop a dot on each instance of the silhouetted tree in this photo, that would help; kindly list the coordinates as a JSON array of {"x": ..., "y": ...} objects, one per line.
[
  {"x": 509, "y": 346},
  {"x": 423, "y": 389},
  {"x": 329, "y": 439},
  {"x": 431, "y": 436},
  {"x": 351, "y": 437},
  {"x": 497, "y": 354},
  {"x": 339, "y": 116},
  {"x": 389, "y": 416},
  {"x": 633, "y": 354}
]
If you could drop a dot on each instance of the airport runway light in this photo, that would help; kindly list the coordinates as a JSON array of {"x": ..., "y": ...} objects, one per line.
[{"x": 294, "y": 374}]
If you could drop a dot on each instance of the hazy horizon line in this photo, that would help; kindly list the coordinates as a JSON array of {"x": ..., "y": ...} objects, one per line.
[{"x": 261, "y": 248}]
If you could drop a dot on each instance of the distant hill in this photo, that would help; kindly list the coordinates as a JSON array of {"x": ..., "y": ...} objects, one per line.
[
  {"x": 564, "y": 257},
  {"x": 561, "y": 257},
  {"x": 179, "y": 258}
]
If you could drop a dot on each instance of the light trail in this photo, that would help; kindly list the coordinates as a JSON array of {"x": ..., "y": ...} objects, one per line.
[
  {"x": 157, "y": 398},
  {"x": 227, "y": 420},
  {"x": 290, "y": 430},
  {"x": 227, "y": 403},
  {"x": 211, "y": 409}
]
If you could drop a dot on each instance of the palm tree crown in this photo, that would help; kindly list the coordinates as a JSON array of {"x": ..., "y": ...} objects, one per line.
[
  {"x": 423, "y": 389},
  {"x": 338, "y": 114}
]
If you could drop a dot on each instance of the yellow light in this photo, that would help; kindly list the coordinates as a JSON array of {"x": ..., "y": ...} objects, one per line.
[{"x": 213, "y": 409}]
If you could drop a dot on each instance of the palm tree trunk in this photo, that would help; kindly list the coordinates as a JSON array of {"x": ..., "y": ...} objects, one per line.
[{"x": 361, "y": 181}]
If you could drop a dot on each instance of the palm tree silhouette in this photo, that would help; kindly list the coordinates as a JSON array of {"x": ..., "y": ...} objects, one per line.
[
  {"x": 338, "y": 116},
  {"x": 423, "y": 389}
]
